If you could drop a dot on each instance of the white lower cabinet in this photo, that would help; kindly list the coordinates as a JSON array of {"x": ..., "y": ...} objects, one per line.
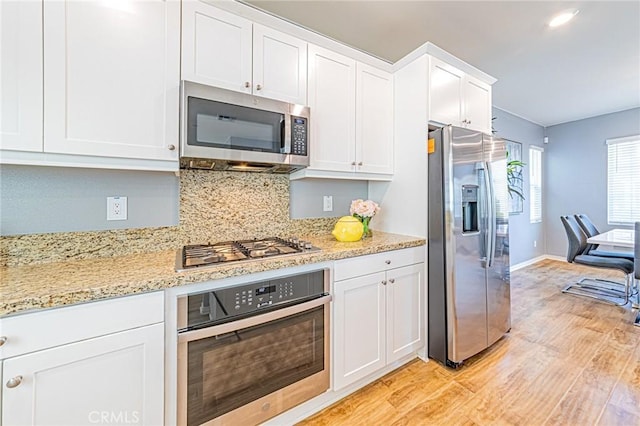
[
  {"x": 359, "y": 328},
  {"x": 80, "y": 365},
  {"x": 114, "y": 379},
  {"x": 377, "y": 315}
]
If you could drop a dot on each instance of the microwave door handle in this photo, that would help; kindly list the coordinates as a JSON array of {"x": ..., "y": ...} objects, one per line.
[{"x": 285, "y": 136}]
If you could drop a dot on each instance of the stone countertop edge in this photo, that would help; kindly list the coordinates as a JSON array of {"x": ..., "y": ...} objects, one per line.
[{"x": 32, "y": 287}]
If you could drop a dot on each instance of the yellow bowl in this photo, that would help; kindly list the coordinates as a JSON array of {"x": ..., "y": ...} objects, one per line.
[{"x": 347, "y": 229}]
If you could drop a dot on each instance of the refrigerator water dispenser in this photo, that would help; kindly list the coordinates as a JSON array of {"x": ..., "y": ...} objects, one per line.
[{"x": 470, "y": 209}]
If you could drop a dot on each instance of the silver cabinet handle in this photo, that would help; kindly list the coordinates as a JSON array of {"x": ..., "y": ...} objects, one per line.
[
  {"x": 171, "y": 147},
  {"x": 3, "y": 340},
  {"x": 392, "y": 280},
  {"x": 12, "y": 383},
  {"x": 384, "y": 282},
  {"x": 258, "y": 87},
  {"x": 247, "y": 84},
  {"x": 360, "y": 163},
  {"x": 388, "y": 262}
]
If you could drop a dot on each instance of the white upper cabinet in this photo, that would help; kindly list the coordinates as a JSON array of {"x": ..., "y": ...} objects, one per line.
[
  {"x": 279, "y": 66},
  {"x": 477, "y": 104},
  {"x": 351, "y": 119},
  {"x": 21, "y": 75},
  {"x": 112, "y": 78},
  {"x": 225, "y": 50},
  {"x": 332, "y": 99},
  {"x": 90, "y": 84},
  {"x": 216, "y": 47},
  {"x": 445, "y": 93},
  {"x": 457, "y": 98},
  {"x": 374, "y": 120}
]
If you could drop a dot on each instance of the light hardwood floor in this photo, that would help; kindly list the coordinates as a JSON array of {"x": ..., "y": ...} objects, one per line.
[{"x": 568, "y": 360}]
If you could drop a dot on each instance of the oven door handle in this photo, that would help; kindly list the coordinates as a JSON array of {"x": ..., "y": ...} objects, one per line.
[{"x": 230, "y": 327}]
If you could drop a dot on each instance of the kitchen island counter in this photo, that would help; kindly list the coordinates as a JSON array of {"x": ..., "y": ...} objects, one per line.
[{"x": 48, "y": 285}]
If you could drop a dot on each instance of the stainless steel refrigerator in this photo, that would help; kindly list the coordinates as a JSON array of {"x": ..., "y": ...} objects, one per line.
[{"x": 469, "y": 282}]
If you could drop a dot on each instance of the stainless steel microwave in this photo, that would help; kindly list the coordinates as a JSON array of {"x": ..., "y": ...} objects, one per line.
[{"x": 226, "y": 130}]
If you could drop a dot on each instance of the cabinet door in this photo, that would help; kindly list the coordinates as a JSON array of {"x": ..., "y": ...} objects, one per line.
[
  {"x": 216, "y": 47},
  {"x": 445, "y": 93},
  {"x": 374, "y": 125},
  {"x": 332, "y": 92},
  {"x": 477, "y": 104},
  {"x": 404, "y": 311},
  {"x": 21, "y": 75},
  {"x": 112, "y": 76},
  {"x": 118, "y": 378},
  {"x": 279, "y": 66},
  {"x": 358, "y": 327}
]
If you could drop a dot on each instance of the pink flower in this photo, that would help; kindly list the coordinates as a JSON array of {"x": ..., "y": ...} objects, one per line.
[{"x": 363, "y": 208}]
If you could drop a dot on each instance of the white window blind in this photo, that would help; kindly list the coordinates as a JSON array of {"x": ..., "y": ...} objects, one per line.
[
  {"x": 535, "y": 184},
  {"x": 623, "y": 180}
]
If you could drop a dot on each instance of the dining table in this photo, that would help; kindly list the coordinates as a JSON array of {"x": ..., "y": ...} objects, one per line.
[{"x": 615, "y": 239}]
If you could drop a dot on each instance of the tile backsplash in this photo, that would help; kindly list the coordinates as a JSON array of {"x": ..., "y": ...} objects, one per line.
[{"x": 214, "y": 206}]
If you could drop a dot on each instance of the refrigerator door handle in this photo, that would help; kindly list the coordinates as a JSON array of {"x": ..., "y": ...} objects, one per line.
[
  {"x": 491, "y": 240},
  {"x": 490, "y": 223}
]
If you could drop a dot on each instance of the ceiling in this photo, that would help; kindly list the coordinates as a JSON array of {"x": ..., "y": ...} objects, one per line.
[{"x": 589, "y": 67}]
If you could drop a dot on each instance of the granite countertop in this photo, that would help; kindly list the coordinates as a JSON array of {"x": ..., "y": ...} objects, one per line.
[{"x": 63, "y": 283}]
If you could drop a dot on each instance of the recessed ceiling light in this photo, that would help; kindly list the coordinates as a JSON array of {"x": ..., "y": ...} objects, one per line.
[{"x": 563, "y": 18}]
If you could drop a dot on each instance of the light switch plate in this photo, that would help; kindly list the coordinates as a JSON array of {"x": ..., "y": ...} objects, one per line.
[{"x": 327, "y": 203}]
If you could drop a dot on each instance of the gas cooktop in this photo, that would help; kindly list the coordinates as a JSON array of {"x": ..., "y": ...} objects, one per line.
[{"x": 202, "y": 255}]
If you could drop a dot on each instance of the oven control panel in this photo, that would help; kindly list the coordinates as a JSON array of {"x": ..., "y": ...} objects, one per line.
[
  {"x": 220, "y": 305},
  {"x": 268, "y": 294}
]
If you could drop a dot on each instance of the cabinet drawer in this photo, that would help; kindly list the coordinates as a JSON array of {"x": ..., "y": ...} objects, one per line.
[
  {"x": 53, "y": 327},
  {"x": 362, "y": 265}
]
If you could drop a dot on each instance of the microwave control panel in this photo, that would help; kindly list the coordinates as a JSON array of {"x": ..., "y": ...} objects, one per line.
[{"x": 298, "y": 135}]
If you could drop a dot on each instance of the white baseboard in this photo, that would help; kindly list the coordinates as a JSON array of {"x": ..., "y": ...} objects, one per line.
[
  {"x": 536, "y": 260},
  {"x": 554, "y": 257}
]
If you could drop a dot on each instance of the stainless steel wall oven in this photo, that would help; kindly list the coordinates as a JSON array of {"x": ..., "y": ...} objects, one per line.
[{"x": 247, "y": 353}]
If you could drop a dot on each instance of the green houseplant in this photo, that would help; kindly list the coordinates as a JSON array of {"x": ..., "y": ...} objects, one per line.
[
  {"x": 514, "y": 177},
  {"x": 514, "y": 172}
]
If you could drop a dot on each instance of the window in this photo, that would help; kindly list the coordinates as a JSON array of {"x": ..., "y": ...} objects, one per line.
[
  {"x": 623, "y": 180},
  {"x": 535, "y": 184}
]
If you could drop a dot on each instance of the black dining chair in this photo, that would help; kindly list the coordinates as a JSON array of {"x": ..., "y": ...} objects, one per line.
[
  {"x": 606, "y": 291},
  {"x": 590, "y": 230},
  {"x": 636, "y": 262}
]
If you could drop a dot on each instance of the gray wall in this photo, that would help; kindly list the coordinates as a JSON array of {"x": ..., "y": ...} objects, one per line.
[
  {"x": 522, "y": 233},
  {"x": 38, "y": 200},
  {"x": 307, "y": 196},
  {"x": 575, "y": 179}
]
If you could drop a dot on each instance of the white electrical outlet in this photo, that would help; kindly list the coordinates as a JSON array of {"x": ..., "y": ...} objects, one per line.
[
  {"x": 327, "y": 203},
  {"x": 116, "y": 208},
  {"x": 535, "y": 243}
]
